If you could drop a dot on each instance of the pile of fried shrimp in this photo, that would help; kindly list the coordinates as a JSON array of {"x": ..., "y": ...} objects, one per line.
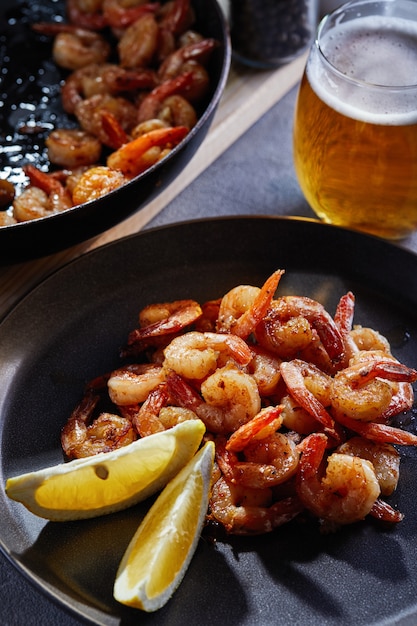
[
  {"x": 136, "y": 82},
  {"x": 298, "y": 403}
]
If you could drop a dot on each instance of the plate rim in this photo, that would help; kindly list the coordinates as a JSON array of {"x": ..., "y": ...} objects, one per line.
[{"x": 312, "y": 221}]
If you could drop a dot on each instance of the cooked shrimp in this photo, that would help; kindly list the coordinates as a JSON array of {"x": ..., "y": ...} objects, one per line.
[
  {"x": 265, "y": 369},
  {"x": 154, "y": 415},
  {"x": 72, "y": 50},
  {"x": 383, "y": 511},
  {"x": 70, "y": 178},
  {"x": 234, "y": 304},
  {"x": 132, "y": 383},
  {"x": 87, "y": 6},
  {"x": 103, "y": 78},
  {"x": 152, "y": 104},
  {"x": 159, "y": 323},
  {"x": 199, "y": 50},
  {"x": 122, "y": 13},
  {"x": 244, "y": 307},
  {"x": 95, "y": 183},
  {"x": 146, "y": 127},
  {"x": 378, "y": 432},
  {"x": 189, "y": 36},
  {"x": 75, "y": 47},
  {"x": 199, "y": 82},
  {"x": 42, "y": 198},
  {"x": 7, "y": 193},
  {"x": 348, "y": 490},
  {"x": 190, "y": 59},
  {"x": 167, "y": 317},
  {"x": 402, "y": 400},
  {"x": 233, "y": 393},
  {"x": 228, "y": 399},
  {"x": 345, "y": 312},
  {"x": 296, "y": 418},
  {"x": 286, "y": 339},
  {"x": 269, "y": 457},
  {"x": 86, "y": 14},
  {"x": 176, "y": 16},
  {"x": 162, "y": 319},
  {"x": 363, "y": 390},
  {"x": 344, "y": 319},
  {"x": 110, "y": 100},
  {"x": 146, "y": 420},
  {"x": 402, "y": 391},
  {"x": 369, "y": 339},
  {"x": 299, "y": 307},
  {"x": 265, "y": 423},
  {"x": 210, "y": 312},
  {"x": 310, "y": 388},
  {"x": 131, "y": 159},
  {"x": 196, "y": 355},
  {"x": 116, "y": 135},
  {"x": 107, "y": 432},
  {"x": 177, "y": 111},
  {"x": 72, "y": 148},
  {"x": 245, "y": 511},
  {"x": 89, "y": 113},
  {"x": 383, "y": 456},
  {"x": 289, "y": 436},
  {"x": 316, "y": 354},
  {"x": 139, "y": 42},
  {"x": 82, "y": 83},
  {"x": 6, "y": 219},
  {"x": 267, "y": 462},
  {"x": 117, "y": 79},
  {"x": 170, "y": 416}
]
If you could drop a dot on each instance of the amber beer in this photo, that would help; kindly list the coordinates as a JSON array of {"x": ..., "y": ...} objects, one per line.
[{"x": 355, "y": 131}]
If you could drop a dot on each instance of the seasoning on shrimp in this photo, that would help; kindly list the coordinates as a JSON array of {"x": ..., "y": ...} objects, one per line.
[{"x": 301, "y": 425}]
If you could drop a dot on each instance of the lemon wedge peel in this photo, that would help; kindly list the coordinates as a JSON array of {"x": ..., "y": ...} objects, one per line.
[
  {"x": 110, "y": 481},
  {"x": 160, "y": 552}
]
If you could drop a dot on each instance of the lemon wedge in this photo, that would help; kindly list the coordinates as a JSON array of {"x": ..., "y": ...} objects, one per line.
[
  {"x": 109, "y": 481},
  {"x": 158, "y": 555}
]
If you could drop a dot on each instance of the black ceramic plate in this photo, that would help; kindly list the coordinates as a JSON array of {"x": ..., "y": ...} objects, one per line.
[
  {"x": 70, "y": 329},
  {"x": 30, "y": 107}
]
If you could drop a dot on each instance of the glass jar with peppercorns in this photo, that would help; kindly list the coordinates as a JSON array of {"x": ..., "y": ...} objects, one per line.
[{"x": 269, "y": 33}]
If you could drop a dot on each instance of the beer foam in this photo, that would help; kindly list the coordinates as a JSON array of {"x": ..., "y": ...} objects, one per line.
[{"x": 382, "y": 51}]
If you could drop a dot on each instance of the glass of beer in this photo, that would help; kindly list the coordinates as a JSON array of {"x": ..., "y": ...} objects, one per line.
[{"x": 355, "y": 127}]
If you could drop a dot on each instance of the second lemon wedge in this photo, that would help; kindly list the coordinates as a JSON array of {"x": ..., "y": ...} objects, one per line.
[{"x": 157, "y": 557}]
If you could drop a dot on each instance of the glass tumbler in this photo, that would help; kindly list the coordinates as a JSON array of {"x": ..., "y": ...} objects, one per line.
[{"x": 355, "y": 126}]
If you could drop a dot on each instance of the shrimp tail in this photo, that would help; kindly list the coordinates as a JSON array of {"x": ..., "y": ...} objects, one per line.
[
  {"x": 182, "y": 392},
  {"x": 118, "y": 17},
  {"x": 344, "y": 313},
  {"x": 293, "y": 378},
  {"x": 146, "y": 419},
  {"x": 128, "y": 158},
  {"x": 177, "y": 19},
  {"x": 383, "y": 511},
  {"x": 186, "y": 313},
  {"x": 247, "y": 322},
  {"x": 240, "y": 438},
  {"x": 378, "y": 432},
  {"x": 116, "y": 135},
  {"x": 40, "y": 179},
  {"x": 313, "y": 448}
]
